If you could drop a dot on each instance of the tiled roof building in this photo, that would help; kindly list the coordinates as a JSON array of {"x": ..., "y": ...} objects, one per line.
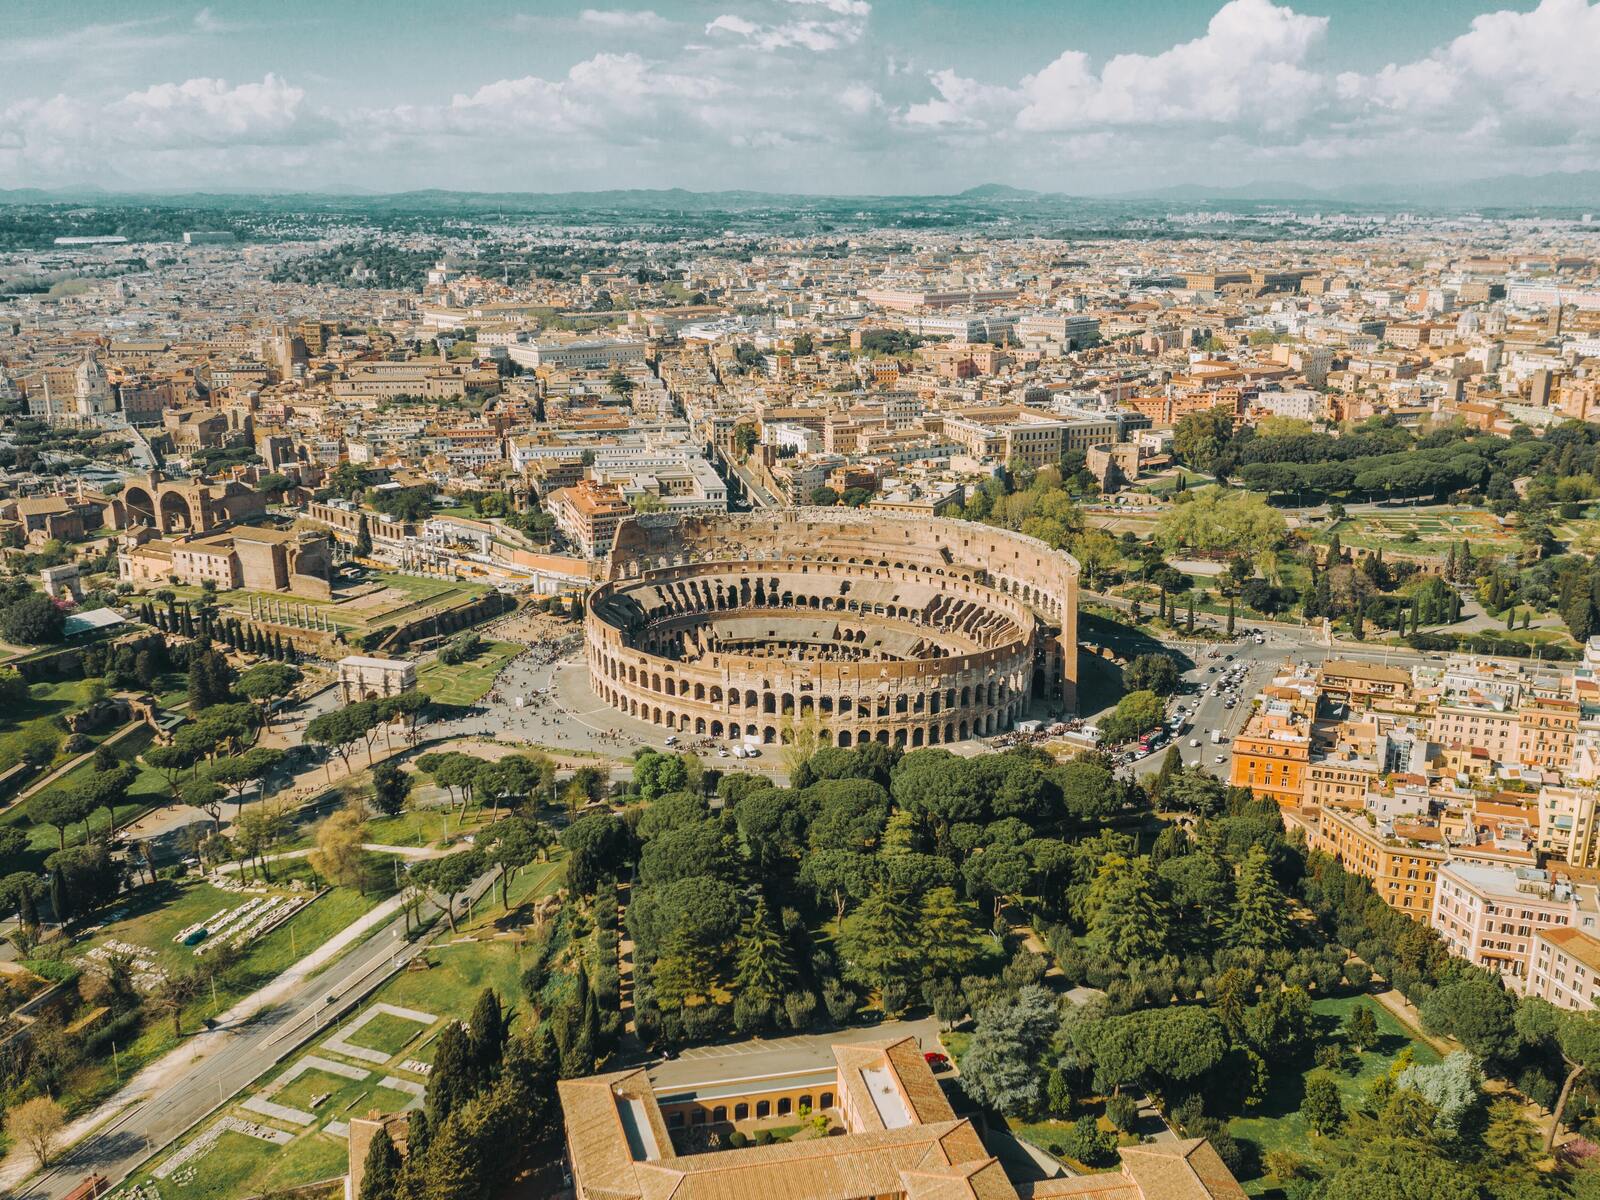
[{"x": 902, "y": 1141}]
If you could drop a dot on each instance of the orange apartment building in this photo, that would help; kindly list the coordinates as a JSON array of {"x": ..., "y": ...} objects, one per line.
[
  {"x": 588, "y": 514},
  {"x": 1362, "y": 684},
  {"x": 1548, "y": 730},
  {"x": 1402, "y": 868},
  {"x": 1271, "y": 756},
  {"x": 1339, "y": 782}
]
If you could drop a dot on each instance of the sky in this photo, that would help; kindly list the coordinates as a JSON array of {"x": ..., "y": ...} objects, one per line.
[{"x": 1087, "y": 97}]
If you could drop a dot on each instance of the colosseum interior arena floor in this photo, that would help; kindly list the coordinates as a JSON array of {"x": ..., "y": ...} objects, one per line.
[{"x": 857, "y": 627}]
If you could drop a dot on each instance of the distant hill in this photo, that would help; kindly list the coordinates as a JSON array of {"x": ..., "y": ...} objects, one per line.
[
  {"x": 997, "y": 191},
  {"x": 1556, "y": 190}
]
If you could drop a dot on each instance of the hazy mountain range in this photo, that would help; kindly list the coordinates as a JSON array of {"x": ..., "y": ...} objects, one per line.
[{"x": 1557, "y": 190}]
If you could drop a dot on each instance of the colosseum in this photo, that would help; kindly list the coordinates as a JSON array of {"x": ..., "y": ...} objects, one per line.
[{"x": 860, "y": 626}]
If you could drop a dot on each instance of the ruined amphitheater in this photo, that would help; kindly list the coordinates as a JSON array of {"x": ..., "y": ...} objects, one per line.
[{"x": 858, "y": 626}]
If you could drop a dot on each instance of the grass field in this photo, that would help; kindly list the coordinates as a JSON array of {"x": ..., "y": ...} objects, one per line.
[
  {"x": 466, "y": 683},
  {"x": 148, "y": 790},
  {"x": 39, "y": 717},
  {"x": 245, "y": 1166},
  {"x": 387, "y": 1033},
  {"x": 1279, "y": 1125},
  {"x": 356, "y": 613},
  {"x": 1426, "y": 531},
  {"x": 239, "y": 1166}
]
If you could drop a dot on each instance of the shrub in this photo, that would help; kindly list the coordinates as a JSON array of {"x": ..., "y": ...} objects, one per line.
[
  {"x": 763, "y": 1137},
  {"x": 839, "y": 1000},
  {"x": 1089, "y": 1144},
  {"x": 895, "y": 997},
  {"x": 801, "y": 1009},
  {"x": 738, "y": 1140},
  {"x": 1123, "y": 1112}
]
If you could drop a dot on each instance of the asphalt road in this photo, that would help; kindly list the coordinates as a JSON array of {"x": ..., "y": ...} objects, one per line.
[
  {"x": 238, "y": 1057},
  {"x": 1262, "y": 663}
]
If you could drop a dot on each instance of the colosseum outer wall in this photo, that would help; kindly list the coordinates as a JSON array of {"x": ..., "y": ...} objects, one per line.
[{"x": 989, "y": 617}]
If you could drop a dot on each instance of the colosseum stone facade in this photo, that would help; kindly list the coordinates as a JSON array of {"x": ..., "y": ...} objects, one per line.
[{"x": 861, "y": 626}]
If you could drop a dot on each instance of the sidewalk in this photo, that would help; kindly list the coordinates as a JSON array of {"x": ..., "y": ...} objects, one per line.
[
  {"x": 411, "y": 852},
  {"x": 169, "y": 1067}
]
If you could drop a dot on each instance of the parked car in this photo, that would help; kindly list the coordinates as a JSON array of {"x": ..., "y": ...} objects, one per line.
[{"x": 937, "y": 1061}]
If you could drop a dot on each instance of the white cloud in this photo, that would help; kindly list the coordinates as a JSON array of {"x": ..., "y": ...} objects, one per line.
[
  {"x": 1246, "y": 68},
  {"x": 621, "y": 20},
  {"x": 799, "y": 93},
  {"x": 118, "y": 40},
  {"x": 846, "y": 26},
  {"x": 860, "y": 99},
  {"x": 961, "y": 103},
  {"x": 209, "y": 110},
  {"x": 845, "y": 8}
]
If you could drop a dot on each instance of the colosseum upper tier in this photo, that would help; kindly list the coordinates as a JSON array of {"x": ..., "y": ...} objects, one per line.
[{"x": 861, "y": 626}]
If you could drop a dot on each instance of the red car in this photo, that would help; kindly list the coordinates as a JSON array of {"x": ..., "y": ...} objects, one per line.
[{"x": 936, "y": 1061}]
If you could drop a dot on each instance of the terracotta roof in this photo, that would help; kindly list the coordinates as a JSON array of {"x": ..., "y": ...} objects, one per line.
[
  {"x": 1575, "y": 943},
  {"x": 1188, "y": 1170},
  {"x": 908, "y": 1144}
]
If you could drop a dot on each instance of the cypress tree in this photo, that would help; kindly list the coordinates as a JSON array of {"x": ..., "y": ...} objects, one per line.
[
  {"x": 454, "y": 1168},
  {"x": 1259, "y": 907},
  {"x": 454, "y": 1079},
  {"x": 60, "y": 896},
  {"x": 1230, "y": 616},
  {"x": 487, "y": 1029},
  {"x": 1191, "y": 613},
  {"x": 763, "y": 973},
  {"x": 419, "y": 1134},
  {"x": 27, "y": 907},
  {"x": 381, "y": 1175}
]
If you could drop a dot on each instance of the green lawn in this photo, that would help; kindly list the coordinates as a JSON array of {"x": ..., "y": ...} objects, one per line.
[
  {"x": 40, "y": 716},
  {"x": 1278, "y": 1124},
  {"x": 308, "y": 1085},
  {"x": 148, "y": 790},
  {"x": 413, "y": 592},
  {"x": 1050, "y": 1135},
  {"x": 387, "y": 1033},
  {"x": 466, "y": 683},
  {"x": 1426, "y": 530},
  {"x": 421, "y": 827}
]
